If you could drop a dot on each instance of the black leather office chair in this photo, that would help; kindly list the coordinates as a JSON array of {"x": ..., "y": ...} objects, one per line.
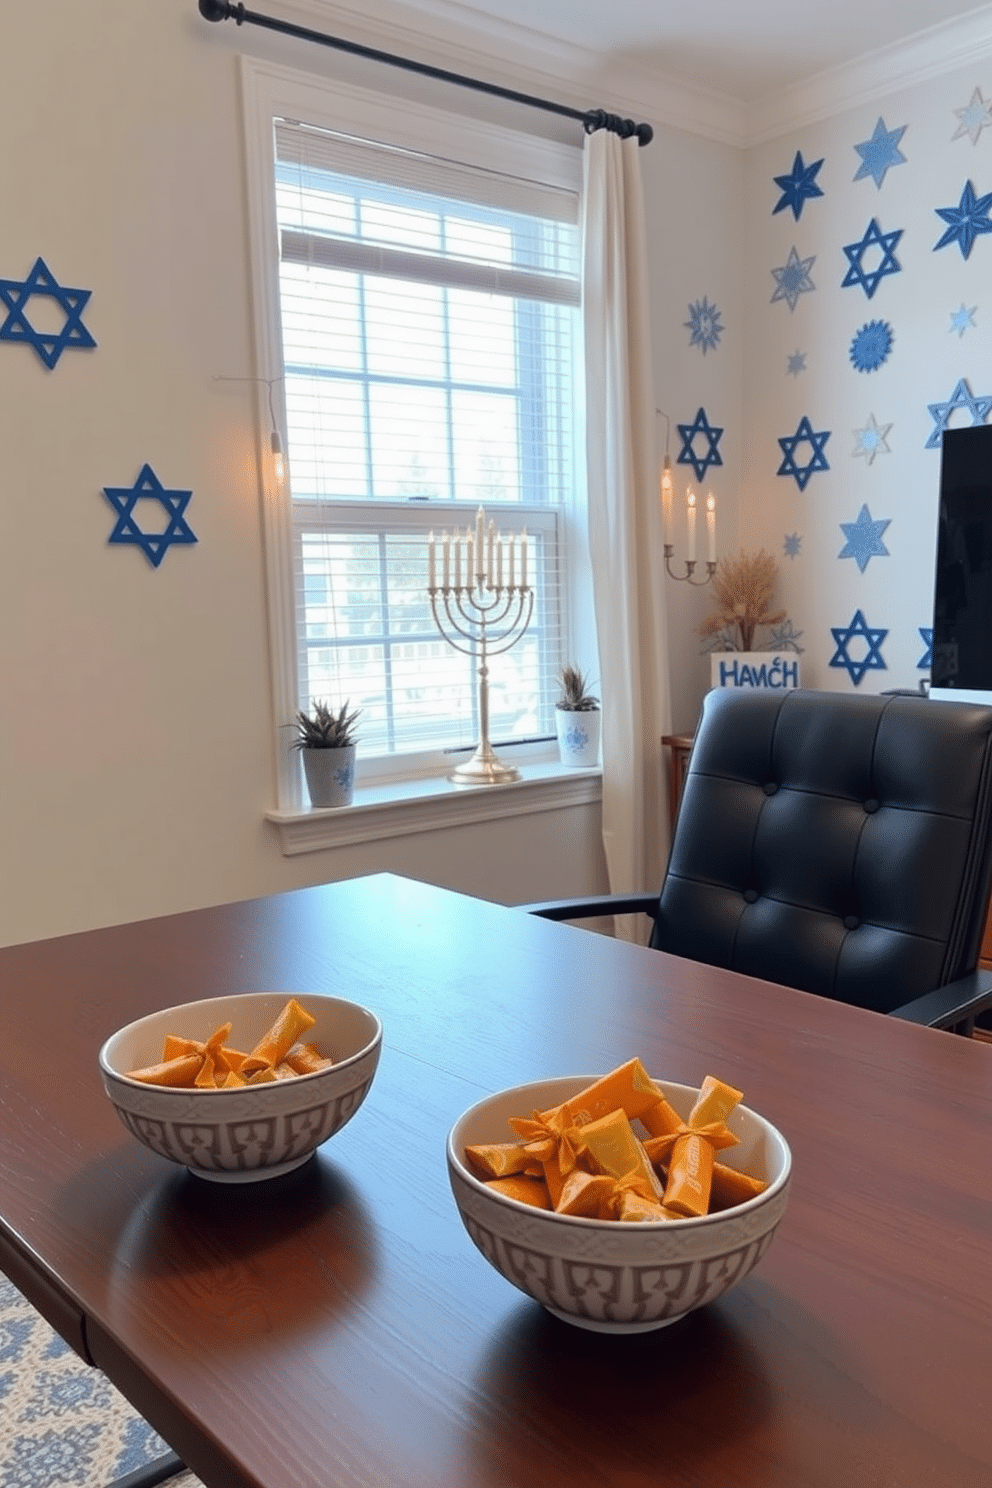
[{"x": 839, "y": 844}]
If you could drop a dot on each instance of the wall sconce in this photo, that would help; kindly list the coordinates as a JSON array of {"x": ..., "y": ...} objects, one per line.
[
  {"x": 275, "y": 438},
  {"x": 667, "y": 501}
]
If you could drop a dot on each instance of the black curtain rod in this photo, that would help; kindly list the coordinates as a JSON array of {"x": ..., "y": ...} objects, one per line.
[{"x": 591, "y": 119}]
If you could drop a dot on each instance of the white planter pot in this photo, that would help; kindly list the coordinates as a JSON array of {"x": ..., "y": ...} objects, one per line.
[
  {"x": 330, "y": 775},
  {"x": 778, "y": 670},
  {"x": 578, "y": 736}
]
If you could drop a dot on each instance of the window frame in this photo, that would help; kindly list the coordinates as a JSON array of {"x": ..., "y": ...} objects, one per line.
[{"x": 269, "y": 92}]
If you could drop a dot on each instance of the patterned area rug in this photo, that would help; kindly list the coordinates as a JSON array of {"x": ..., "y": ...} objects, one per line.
[{"x": 62, "y": 1423}]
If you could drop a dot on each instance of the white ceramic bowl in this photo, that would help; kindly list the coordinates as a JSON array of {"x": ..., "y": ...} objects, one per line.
[
  {"x": 243, "y": 1135},
  {"x": 603, "y": 1274}
]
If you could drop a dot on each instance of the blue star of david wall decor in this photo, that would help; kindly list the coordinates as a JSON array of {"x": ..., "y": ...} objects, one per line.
[
  {"x": 962, "y": 397},
  {"x": 926, "y": 636},
  {"x": 967, "y": 221},
  {"x": 687, "y": 454},
  {"x": 798, "y": 186},
  {"x": 795, "y": 363},
  {"x": 704, "y": 325},
  {"x": 817, "y": 460},
  {"x": 792, "y": 279},
  {"x": 15, "y": 295},
  {"x": 864, "y": 539},
  {"x": 148, "y": 487},
  {"x": 791, "y": 545},
  {"x": 859, "y": 629},
  {"x": 871, "y": 345},
  {"x": 880, "y": 153},
  {"x": 872, "y": 440},
  {"x": 870, "y": 279}
]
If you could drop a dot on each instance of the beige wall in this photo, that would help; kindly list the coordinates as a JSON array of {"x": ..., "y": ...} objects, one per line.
[{"x": 135, "y": 734}]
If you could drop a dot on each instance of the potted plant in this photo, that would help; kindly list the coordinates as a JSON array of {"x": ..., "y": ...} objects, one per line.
[
  {"x": 577, "y": 718},
  {"x": 326, "y": 741}
]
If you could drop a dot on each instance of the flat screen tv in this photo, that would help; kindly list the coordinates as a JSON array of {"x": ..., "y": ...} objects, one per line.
[{"x": 962, "y": 611}]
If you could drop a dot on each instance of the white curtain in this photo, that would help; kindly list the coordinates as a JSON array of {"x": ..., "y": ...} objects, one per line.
[{"x": 624, "y": 516}]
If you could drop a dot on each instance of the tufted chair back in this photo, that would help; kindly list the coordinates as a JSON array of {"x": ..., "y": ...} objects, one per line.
[{"x": 839, "y": 844}]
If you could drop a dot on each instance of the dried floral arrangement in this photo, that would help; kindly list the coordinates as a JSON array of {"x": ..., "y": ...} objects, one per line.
[{"x": 743, "y": 588}]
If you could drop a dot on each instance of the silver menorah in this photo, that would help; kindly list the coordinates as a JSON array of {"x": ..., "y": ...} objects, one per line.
[{"x": 482, "y": 607}]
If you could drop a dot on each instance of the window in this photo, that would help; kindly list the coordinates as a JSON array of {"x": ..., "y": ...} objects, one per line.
[{"x": 425, "y": 340}]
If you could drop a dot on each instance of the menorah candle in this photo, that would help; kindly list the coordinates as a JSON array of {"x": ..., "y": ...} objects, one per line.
[
  {"x": 431, "y": 563},
  {"x": 480, "y": 518},
  {"x": 470, "y": 560},
  {"x": 446, "y": 557},
  {"x": 490, "y": 546},
  {"x": 499, "y": 560},
  {"x": 523, "y": 559},
  {"x": 458, "y": 561},
  {"x": 513, "y": 554}
]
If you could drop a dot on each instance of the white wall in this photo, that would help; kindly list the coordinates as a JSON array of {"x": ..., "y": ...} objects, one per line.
[
  {"x": 135, "y": 742},
  {"x": 821, "y": 590}
]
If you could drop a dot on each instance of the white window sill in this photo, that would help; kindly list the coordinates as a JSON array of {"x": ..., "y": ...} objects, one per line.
[{"x": 400, "y": 808}]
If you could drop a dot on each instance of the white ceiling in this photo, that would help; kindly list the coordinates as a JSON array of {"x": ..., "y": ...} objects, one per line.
[{"x": 744, "y": 49}]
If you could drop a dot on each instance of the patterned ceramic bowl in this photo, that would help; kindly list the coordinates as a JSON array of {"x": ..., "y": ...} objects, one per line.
[
  {"x": 243, "y": 1135},
  {"x": 601, "y": 1274}
]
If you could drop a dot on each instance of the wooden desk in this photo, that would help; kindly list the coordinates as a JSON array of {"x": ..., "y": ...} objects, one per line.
[{"x": 336, "y": 1327}]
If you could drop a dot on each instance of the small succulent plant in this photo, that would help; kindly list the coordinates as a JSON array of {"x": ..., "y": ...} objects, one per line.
[
  {"x": 575, "y": 696},
  {"x": 325, "y": 729}
]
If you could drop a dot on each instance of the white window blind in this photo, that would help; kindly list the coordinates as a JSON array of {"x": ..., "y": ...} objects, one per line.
[{"x": 429, "y": 332}]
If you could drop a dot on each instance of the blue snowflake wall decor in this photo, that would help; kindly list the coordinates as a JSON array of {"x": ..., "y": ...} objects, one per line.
[
  {"x": 886, "y": 243},
  {"x": 15, "y": 295},
  {"x": 963, "y": 320},
  {"x": 872, "y": 440},
  {"x": 864, "y": 539},
  {"x": 785, "y": 637},
  {"x": 817, "y": 460},
  {"x": 880, "y": 153},
  {"x": 845, "y": 636},
  {"x": 148, "y": 487},
  {"x": 975, "y": 116},
  {"x": 793, "y": 279},
  {"x": 871, "y": 345},
  {"x": 792, "y": 544},
  {"x": 704, "y": 325},
  {"x": 687, "y": 454},
  {"x": 795, "y": 364},
  {"x": 967, "y": 221},
  {"x": 798, "y": 186},
  {"x": 926, "y": 636},
  {"x": 962, "y": 397}
]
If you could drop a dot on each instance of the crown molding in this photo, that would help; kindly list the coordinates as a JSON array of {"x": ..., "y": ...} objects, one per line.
[
  {"x": 907, "y": 64},
  {"x": 445, "y": 34}
]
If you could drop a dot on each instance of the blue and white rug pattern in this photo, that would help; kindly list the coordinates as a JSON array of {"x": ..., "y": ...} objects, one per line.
[{"x": 62, "y": 1423}]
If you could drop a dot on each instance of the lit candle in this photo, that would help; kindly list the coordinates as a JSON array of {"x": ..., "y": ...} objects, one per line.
[
  {"x": 446, "y": 554},
  {"x": 523, "y": 559},
  {"x": 513, "y": 560},
  {"x": 690, "y": 517},
  {"x": 666, "y": 501},
  {"x": 431, "y": 566},
  {"x": 711, "y": 527},
  {"x": 490, "y": 546}
]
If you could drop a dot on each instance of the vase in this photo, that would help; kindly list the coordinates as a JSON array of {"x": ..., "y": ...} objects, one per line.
[
  {"x": 578, "y": 736},
  {"x": 330, "y": 775}
]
